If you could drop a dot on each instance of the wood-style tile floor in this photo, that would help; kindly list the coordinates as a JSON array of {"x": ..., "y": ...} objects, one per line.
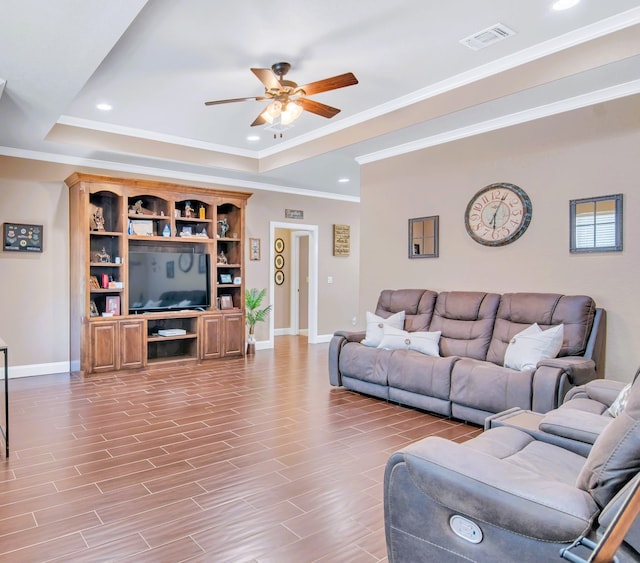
[{"x": 255, "y": 459}]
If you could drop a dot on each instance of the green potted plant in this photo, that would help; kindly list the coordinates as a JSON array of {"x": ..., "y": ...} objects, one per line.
[{"x": 253, "y": 301}]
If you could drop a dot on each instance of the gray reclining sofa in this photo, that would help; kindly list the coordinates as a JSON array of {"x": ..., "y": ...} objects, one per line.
[{"x": 468, "y": 380}]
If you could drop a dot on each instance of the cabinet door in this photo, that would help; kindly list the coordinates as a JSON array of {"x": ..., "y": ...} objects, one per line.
[
  {"x": 211, "y": 336},
  {"x": 132, "y": 344},
  {"x": 104, "y": 351},
  {"x": 233, "y": 335}
]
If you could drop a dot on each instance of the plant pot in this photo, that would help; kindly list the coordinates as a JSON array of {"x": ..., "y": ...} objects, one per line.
[{"x": 251, "y": 344}]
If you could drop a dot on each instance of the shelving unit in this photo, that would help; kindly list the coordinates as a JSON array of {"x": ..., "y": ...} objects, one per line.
[{"x": 111, "y": 217}]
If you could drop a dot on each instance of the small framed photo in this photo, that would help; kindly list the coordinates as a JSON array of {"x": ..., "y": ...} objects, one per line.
[
  {"x": 93, "y": 309},
  {"x": 94, "y": 283},
  {"x": 226, "y": 302},
  {"x": 254, "y": 249},
  {"x": 112, "y": 304},
  {"x": 186, "y": 231},
  {"x": 226, "y": 278}
]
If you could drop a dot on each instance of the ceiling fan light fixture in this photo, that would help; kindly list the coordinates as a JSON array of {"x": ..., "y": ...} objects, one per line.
[{"x": 291, "y": 113}]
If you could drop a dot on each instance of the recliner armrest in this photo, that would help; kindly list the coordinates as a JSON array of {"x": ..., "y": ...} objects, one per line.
[
  {"x": 487, "y": 488},
  {"x": 575, "y": 424},
  {"x": 579, "y": 370},
  {"x": 351, "y": 336},
  {"x": 604, "y": 391},
  {"x": 338, "y": 340}
]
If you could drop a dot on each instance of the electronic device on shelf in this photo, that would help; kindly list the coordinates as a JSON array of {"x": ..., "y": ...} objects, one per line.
[{"x": 171, "y": 332}]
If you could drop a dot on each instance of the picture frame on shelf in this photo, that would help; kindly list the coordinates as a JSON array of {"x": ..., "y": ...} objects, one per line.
[
  {"x": 237, "y": 280},
  {"x": 254, "y": 249},
  {"x": 226, "y": 302},
  {"x": 226, "y": 278},
  {"x": 93, "y": 309},
  {"x": 94, "y": 283},
  {"x": 112, "y": 305}
]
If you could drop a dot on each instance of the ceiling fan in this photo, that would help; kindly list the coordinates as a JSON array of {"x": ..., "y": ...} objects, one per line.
[{"x": 288, "y": 100}]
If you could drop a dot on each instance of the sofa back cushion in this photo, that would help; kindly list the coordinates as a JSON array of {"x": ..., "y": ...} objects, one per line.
[
  {"x": 465, "y": 320},
  {"x": 517, "y": 311},
  {"x": 416, "y": 303},
  {"x": 614, "y": 458}
]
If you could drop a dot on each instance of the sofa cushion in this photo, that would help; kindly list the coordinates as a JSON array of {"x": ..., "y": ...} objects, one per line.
[
  {"x": 364, "y": 363},
  {"x": 417, "y": 373},
  {"x": 520, "y": 310},
  {"x": 531, "y": 345},
  {"x": 491, "y": 388},
  {"x": 465, "y": 320},
  {"x": 423, "y": 342},
  {"x": 416, "y": 303},
  {"x": 376, "y": 324},
  {"x": 615, "y": 456}
]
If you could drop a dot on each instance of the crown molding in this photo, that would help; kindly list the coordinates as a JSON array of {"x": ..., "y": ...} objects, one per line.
[{"x": 569, "y": 104}]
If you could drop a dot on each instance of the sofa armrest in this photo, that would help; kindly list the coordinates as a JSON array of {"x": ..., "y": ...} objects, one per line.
[
  {"x": 338, "y": 340},
  {"x": 604, "y": 391},
  {"x": 554, "y": 377},
  {"x": 489, "y": 489},
  {"x": 574, "y": 424}
]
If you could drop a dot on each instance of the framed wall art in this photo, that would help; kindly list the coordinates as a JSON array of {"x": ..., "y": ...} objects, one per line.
[
  {"x": 23, "y": 238},
  {"x": 341, "y": 240},
  {"x": 254, "y": 249}
]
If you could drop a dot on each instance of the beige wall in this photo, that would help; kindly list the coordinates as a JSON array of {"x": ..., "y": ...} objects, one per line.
[
  {"x": 34, "y": 296},
  {"x": 586, "y": 153},
  {"x": 34, "y": 299},
  {"x": 337, "y": 302}
]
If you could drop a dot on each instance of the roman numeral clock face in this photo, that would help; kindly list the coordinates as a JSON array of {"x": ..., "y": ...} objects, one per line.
[{"x": 498, "y": 214}]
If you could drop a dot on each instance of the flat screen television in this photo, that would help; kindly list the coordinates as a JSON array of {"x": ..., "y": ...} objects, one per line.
[{"x": 159, "y": 281}]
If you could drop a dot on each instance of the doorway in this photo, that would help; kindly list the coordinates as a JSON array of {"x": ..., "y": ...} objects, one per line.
[{"x": 301, "y": 238}]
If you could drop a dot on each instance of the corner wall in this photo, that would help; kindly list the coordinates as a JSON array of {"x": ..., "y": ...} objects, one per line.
[{"x": 585, "y": 153}]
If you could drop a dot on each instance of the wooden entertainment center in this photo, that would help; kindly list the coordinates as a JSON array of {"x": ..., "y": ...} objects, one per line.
[{"x": 201, "y": 233}]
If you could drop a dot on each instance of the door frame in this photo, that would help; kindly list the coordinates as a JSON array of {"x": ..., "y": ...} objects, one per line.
[
  {"x": 294, "y": 322},
  {"x": 312, "y": 230}
]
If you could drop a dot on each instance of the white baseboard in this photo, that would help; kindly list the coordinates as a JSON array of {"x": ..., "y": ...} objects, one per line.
[{"x": 38, "y": 369}]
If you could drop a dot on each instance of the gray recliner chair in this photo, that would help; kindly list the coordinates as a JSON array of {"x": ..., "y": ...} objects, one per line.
[{"x": 507, "y": 496}]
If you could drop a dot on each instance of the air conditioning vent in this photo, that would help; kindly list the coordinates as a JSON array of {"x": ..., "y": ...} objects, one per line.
[{"x": 487, "y": 37}]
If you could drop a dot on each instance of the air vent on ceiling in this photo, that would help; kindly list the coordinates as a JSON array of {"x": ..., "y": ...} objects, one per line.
[{"x": 487, "y": 37}]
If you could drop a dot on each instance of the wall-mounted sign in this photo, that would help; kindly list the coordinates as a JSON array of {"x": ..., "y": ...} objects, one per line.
[
  {"x": 341, "y": 240},
  {"x": 24, "y": 238},
  {"x": 294, "y": 213}
]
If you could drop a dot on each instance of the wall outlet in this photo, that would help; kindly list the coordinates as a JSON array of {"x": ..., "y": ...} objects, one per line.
[
  {"x": 354, "y": 320},
  {"x": 330, "y": 279}
]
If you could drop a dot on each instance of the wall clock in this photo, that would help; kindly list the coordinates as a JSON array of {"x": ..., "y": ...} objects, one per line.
[{"x": 498, "y": 214}]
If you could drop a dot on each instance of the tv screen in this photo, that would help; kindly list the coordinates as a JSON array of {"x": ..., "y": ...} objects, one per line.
[{"x": 168, "y": 280}]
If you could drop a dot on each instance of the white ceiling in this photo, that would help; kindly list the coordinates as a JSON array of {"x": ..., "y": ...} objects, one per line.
[{"x": 157, "y": 61}]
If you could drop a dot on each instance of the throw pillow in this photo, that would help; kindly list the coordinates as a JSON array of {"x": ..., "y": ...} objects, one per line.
[
  {"x": 533, "y": 344},
  {"x": 423, "y": 342},
  {"x": 376, "y": 324},
  {"x": 621, "y": 401}
]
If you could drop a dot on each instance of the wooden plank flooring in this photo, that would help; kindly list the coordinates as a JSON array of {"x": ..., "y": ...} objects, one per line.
[{"x": 255, "y": 459}]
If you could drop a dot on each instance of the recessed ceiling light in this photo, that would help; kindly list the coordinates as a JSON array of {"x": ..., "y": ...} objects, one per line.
[
  {"x": 253, "y": 138},
  {"x": 104, "y": 107},
  {"x": 564, "y": 4},
  {"x": 343, "y": 180}
]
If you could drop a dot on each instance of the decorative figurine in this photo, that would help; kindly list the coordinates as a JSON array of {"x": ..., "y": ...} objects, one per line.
[
  {"x": 98, "y": 219},
  {"x": 188, "y": 210},
  {"x": 224, "y": 227},
  {"x": 222, "y": 259},
  {"x": 103, "y": 256}
]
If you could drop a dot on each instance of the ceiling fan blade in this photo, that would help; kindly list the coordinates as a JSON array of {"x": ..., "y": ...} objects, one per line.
[
  {"x": 259, "y": 120},
  {"x": 266, "y": 76},
  {"x": 316, "y": 107},
  {"x": 333, "y": 83},
  {"x": 232, "y": 100}
]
